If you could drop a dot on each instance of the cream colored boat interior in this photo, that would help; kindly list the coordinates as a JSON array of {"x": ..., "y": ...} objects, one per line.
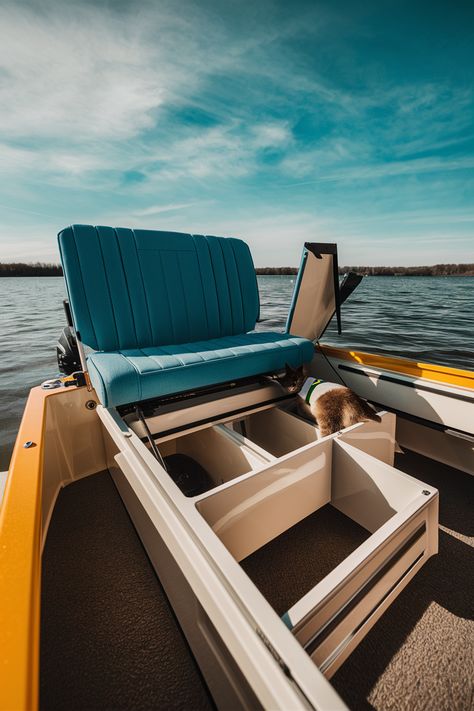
[
  {"x": 276, "y": 569},
  {"x": 270, "y": 477}
]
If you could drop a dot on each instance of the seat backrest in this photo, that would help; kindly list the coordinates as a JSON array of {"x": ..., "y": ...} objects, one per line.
[{"x": 137, "y": 288}]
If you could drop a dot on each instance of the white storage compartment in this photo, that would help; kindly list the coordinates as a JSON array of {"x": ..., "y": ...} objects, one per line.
[
  {"x": 330, "y": 535},
  {"x": 281, "y": 431},
  {"x": 277, "y": 431},
  {"x": 207, "y": 458},
  {"x": 249, "y": 513}
]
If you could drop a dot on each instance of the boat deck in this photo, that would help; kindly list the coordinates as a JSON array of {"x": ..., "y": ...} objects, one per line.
[
  {"x": 109, "y": 639},
  {"x": 420, "y": 654}
]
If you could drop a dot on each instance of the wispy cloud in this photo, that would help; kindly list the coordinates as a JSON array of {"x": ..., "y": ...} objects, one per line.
[
  {"x": 158, "y": 209},
  {"x": 75, "y": 72}
]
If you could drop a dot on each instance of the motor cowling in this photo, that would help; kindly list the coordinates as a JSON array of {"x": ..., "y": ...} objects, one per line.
[{"x": 67, "y": 352}]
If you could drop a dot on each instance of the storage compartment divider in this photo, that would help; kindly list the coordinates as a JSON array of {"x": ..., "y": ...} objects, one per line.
[
  {"x": 375, "y": 438},
  {"x": 366, "y": 489},
  {"x": 241, "y": 440},
  {"x": 250, "y": 512},
  {"x": 278, "y": 431}
]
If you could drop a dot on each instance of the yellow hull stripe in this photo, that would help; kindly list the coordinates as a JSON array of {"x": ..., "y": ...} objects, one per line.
[
  {"x": 20, "y": 561},
  {"x": 430, "y": 371}
]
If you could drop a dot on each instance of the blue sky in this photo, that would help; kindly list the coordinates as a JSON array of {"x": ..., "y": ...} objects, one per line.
[{"x": 278, "y": 122}]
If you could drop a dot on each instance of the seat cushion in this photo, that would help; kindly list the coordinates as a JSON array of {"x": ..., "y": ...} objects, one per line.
[{"x": 126, "y": 376}]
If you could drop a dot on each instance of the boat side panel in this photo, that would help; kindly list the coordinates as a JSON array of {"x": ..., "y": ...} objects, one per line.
[
  {"x": 431, "y": 371},
  {"x": 64, "y": 443},
  {"x": 74, "y": 446},
  {"x": 450, "y": 449},
  {"x": 444, "y": 405},
  {"x": 226, "y": 682}
]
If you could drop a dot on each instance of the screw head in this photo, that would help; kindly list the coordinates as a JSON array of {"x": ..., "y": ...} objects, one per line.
[
  {"x": 426, "y": 492},
  {"x": 29, "y": 444},
  {"x": 91, "y": 404}
]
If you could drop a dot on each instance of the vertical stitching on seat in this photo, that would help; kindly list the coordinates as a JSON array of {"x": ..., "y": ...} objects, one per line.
[
  {"x": 170, "y": 311},
  {"x": 174, "y": 355},
  {"x": 202, "y": 284},
  {"x": 127, "y": 285},
  {"x": 119, "y": 345},
  {"x": 84, "y": 288},
  {"x": 227, "y": 284},
  {"x": 143, "y": 285},
  {"x": 215, "y": 286},
  {"x": 155, "y": 360},
  {"x": 257, "y": 290},
  {"x": 178, "y": 262},
  {"x": 239, "y": 283}
]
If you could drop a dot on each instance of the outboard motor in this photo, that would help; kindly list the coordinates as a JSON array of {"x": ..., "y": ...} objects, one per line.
[{"x": 67, "y": 351}]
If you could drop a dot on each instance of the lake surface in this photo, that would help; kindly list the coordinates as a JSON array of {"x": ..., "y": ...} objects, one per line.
[{"x": 425, "y": 318}]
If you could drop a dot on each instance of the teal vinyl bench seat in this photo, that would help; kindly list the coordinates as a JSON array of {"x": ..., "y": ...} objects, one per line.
[
  {"x": 166, "y": 312},
  {"x": 141, "y": 374}
]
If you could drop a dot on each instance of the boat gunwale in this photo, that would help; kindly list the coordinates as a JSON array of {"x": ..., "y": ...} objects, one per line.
[
  {"x": 430, "y": 371},
  {"x": 20, "y": 558}
]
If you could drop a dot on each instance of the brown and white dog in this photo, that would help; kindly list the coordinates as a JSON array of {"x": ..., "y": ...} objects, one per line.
[{"x": 331, "y": 405}]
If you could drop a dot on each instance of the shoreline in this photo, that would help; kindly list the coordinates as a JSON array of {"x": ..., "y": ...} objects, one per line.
[
  {"x": 437, "y": 270},
  {"x": 262, "y": 272}
]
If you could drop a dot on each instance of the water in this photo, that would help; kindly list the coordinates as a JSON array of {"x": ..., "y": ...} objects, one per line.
[{"x": 424, "y": 318}]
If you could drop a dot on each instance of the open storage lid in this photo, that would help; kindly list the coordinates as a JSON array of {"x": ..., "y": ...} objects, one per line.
[{"x": 316, "y": 297}]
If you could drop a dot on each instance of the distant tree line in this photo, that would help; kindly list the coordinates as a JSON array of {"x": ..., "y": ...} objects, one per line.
[
  {"x": 276, "y": 270},
  {"x": 436, "y": 270},
  {"x": 15, "y": 269}
]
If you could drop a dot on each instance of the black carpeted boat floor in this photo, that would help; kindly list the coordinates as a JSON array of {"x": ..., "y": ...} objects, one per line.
[
  {"x": 420, "y": 654},
  {"x": 109, "y": 639},
  {"x": 290, "y": 565}
]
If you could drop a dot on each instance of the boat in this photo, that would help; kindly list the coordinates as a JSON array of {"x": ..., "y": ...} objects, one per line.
[{"x": 174, "y": 534}]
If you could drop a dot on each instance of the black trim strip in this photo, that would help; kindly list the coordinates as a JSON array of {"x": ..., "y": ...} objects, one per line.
[
  {"x": 337, "y": 294},
  {"x": 426, "y": 423},
  {"x": 399, "y": 381},
  {"x": 319, "y": 248},
  {"x": 320, "y": 636},
  {"x": 224, "y": 388}
]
